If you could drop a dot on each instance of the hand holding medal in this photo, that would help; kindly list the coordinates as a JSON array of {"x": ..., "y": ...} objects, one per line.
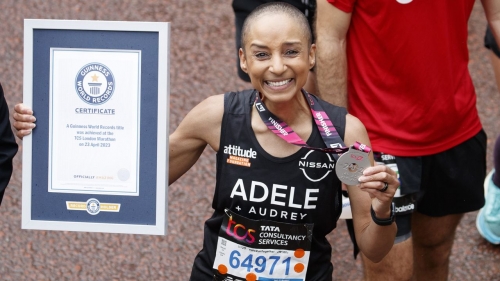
[
  {"x": 351, "y": 164},
  {"x": 354, "y": 168}
]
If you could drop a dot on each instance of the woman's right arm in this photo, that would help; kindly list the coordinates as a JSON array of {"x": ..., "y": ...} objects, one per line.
[{"x": 201, "y": 126}]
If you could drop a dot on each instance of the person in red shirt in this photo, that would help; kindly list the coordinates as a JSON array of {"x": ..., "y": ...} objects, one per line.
[{"x": 400, "y": 66}]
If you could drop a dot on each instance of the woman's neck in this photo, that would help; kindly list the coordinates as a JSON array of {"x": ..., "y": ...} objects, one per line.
[{"x": 291, "y": 112}]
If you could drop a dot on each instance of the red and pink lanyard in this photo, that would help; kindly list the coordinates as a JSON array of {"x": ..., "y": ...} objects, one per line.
[{"x": 334, "y": 144}]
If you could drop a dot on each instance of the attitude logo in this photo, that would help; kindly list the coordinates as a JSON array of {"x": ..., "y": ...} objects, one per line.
[
  {"x": 316, "y": 171},
  {"x": 94, "y": 83},
  {"x": 239, "y": 156}
]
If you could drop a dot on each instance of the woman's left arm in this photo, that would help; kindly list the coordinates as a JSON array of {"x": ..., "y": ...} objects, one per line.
[{"x": 375, "y": 236}]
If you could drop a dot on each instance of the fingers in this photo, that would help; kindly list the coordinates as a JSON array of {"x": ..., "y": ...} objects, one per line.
[
  {"x": 23, "y": 120},
  {"x": 374, "y": 179},
  {"x": 378, "y": 169},
  {"x": 22, "y": 133},
  {"x": 21, "y": 108},
  {"x": 23, "y": 113},
  {"x": 379, "y": 179},
  {"x": 23, "y": 128},
  {"x": 373, "y": 182}
]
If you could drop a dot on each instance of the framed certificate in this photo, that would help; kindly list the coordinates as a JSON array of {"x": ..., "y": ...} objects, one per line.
[{"x": 98, "y": 159}]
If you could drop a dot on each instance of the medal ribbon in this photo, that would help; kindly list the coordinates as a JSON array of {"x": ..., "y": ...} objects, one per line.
[{"x": 334, "y": 144}]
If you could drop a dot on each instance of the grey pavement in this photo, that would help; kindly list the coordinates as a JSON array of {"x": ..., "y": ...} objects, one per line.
[{"x": 202, "y": 64}]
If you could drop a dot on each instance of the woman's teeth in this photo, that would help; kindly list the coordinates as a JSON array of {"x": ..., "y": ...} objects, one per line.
[{"x": 278, "y": 84}]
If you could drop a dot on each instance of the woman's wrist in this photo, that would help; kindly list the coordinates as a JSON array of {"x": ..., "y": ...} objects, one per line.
[{"x": 383, "y": 221}]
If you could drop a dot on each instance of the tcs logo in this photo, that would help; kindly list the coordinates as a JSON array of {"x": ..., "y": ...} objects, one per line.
[{"x": 239, "y": 231}]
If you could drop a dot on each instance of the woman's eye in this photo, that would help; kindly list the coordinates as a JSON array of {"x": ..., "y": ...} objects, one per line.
[
  {"x": 260, "y": 55},
  {"x": 291, "y": 52}
]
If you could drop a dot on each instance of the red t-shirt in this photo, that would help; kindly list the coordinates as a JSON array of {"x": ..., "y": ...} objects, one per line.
[{"x": 408, "y": 79}]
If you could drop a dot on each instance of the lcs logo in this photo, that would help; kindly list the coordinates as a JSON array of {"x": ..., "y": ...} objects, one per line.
[{"x": 239, "y": 231}]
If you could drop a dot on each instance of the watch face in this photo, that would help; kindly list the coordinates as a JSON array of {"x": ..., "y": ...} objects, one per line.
[{"x": 350, "y": 166}]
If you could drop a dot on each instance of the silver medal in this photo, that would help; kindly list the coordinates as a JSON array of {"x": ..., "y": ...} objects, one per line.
[{"x": 351, "y": 165}]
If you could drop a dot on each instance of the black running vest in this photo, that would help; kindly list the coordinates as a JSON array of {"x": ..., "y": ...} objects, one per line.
[{"x": 301, "y": 188}]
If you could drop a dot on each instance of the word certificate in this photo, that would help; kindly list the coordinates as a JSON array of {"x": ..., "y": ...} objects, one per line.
[{"x": 94, "y": 118}]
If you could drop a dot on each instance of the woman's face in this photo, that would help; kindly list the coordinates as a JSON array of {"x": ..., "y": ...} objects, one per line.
[{"x": 277, "y": 56}]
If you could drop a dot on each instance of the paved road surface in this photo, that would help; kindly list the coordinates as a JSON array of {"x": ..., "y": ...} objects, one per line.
[{"x": 202, "y": 64}]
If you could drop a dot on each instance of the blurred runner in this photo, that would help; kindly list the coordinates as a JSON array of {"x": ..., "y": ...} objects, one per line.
[
  {"x": 8, "y": 145},
  {"x": 488, "y": 219}
]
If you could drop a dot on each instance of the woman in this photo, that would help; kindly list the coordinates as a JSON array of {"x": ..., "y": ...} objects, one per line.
[{"x": 276, "y": 196}]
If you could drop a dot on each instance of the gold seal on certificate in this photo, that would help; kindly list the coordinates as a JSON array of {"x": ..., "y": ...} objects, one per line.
[{"x": 350, "y": 166}]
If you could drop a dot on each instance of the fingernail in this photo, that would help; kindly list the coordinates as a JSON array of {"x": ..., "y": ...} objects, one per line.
[{"x": 33, "y": 125}]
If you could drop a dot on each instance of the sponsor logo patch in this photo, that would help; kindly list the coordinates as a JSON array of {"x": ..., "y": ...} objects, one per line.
[
  {"x": 239, "y": 156},
  {"x": 316, "y": 171}
]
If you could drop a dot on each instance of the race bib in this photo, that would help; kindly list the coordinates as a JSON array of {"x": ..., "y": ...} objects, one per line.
[{"x": 250, "y": 250}]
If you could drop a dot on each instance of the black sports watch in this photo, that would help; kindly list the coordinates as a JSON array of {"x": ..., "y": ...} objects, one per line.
[{"x": 383, "y": 222}]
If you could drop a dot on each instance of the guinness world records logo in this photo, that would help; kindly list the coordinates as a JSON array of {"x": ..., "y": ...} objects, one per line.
[
  {"x": 95, "y": 83},
  {"x": 93, "y": 206}
]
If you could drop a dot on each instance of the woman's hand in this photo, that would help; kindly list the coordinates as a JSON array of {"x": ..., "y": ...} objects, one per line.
[
  {"x": 381, "y": 183},
  {"x": 24, "y": 121}
]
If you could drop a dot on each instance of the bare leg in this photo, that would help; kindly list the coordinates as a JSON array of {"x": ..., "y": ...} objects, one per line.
[
  {"x": 397, "y": 265},
  {"x": 495, "y": 61},
  {"x": 432, "y": 243}
]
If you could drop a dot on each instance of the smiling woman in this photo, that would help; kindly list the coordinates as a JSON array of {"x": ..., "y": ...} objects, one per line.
[
  {"x": 243, "y": 8},
  {"x": 277, "y": 196},
  {"x": 276, "y": 54}
]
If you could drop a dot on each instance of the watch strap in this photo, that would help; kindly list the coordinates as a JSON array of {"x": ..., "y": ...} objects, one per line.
[{"x": 383, "y": 222}]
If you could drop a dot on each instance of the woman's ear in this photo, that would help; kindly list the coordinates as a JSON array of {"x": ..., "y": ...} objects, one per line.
[
  {"x": 243, "y": 60},
  {"x": 312, "y": 56}
]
